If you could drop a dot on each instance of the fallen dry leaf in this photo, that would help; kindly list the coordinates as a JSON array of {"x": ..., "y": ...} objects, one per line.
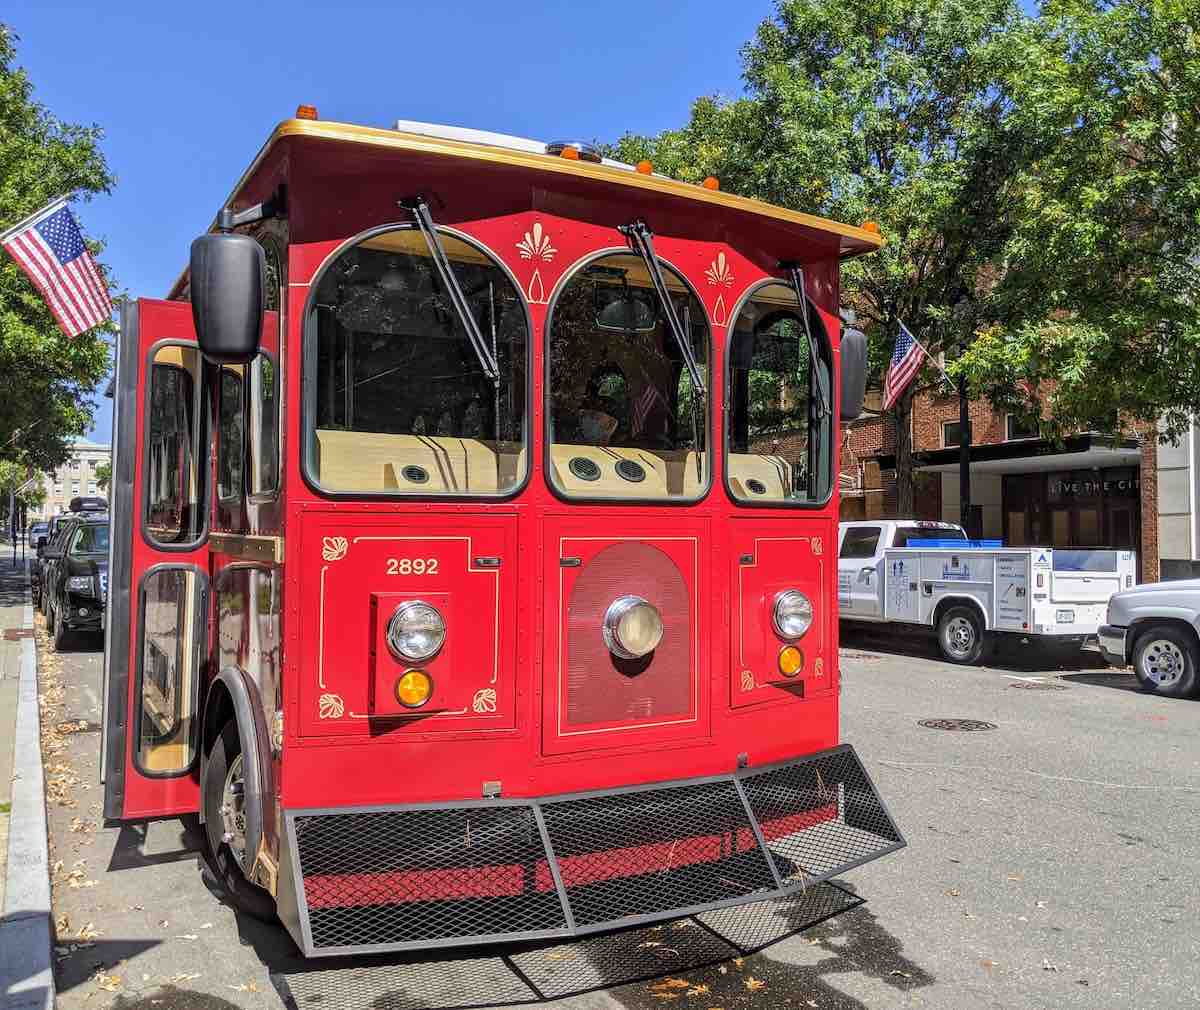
[
  {"x": 990, "y": 964},
  {"x": 87, "y": 932},
  {"x": 183, "y": 977},
  {"x": 206, "y": 925},
  {"x": 187, "y": 936},
  {"x": 109, "y": 983},
  {"x": 667, "y": 984},
  {"x": 699, "y": 989},
  {"x": 1048, "y": 965},
  {"x": 754, "y": 984},
  {"x": 244, "y": 987},
  {"x": 952, "y": 893}
]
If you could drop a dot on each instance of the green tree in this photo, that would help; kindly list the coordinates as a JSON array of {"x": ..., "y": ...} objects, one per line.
[
  {"x": 1102, "y": 262},
  {"x": 895, "y": 111},
  {"x": 48, "y": 378},
  {"x": 104, "y": 476}
]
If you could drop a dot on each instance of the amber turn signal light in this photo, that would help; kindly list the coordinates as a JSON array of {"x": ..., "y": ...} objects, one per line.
[
  {"x": 645, "y": 167},
  {"x": 871, "y": 226},
  {"x": 306, "y": 112},
  {"x": 413, "y": 688},
  {"x": 791, "y": 661},
  {"x": 712, "y": 182},
  {"x": 570, "y": 153}
]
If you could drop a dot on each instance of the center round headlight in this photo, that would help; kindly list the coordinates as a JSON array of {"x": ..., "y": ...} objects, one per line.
[
  {"x": 416, "y": 630},
  {"x": 793, "y": 614},
  {"x": 632, "y": 627}
]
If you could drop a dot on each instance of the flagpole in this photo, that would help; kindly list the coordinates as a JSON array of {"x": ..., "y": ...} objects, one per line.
[{"x": 52, "y": 206}]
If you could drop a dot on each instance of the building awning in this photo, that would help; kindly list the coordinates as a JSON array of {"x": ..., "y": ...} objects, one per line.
[{"x": 1031, "y": 455}]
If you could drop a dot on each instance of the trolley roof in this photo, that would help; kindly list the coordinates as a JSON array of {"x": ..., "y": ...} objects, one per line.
[{"x": 482, "y": 147}]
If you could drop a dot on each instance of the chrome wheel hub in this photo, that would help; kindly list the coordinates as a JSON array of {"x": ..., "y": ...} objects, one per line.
[
  {"x": 233, "y": 811},
  {"x": 960, "y": 636},
  {"x": 1162, "y": 662}
]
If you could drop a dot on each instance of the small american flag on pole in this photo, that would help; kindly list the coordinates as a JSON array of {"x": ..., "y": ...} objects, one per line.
[
  {"x": 904, "y": 366},
  {"x": 50, "y": 249}
]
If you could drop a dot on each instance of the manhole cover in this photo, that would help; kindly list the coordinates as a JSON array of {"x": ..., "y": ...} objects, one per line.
[
  {"x": 964, "y": 725},
  {"x": 1037, "y": 685}
]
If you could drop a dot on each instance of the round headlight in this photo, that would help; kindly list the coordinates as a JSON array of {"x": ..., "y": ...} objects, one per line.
[
  {"x": 793, "y": 614},
  {"x": 416, "y": 630},
  {"x": 632, "y": 627}
]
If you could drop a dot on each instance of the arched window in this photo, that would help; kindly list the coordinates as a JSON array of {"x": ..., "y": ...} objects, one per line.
[
  {"x": 779, "y": 402},
  {"x": 398, "y": 400},
  {"x": 622, "y": 422}
]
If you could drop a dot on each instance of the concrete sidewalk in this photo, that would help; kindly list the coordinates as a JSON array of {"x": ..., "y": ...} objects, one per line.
[{"x": 26, "y": 976}]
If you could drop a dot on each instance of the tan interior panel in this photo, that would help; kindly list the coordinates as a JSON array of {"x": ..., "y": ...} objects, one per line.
[
  {"x": 666, "y": 473},
  {"x": 380, "y": 461},
  {"x": 774, "y": 473}
]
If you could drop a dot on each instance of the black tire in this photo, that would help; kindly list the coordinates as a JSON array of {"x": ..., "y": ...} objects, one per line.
[
  {"x": 1165, "y": 661},
  {"x": 49, "y": 612},
  {"x": 960, "y": 636},
  {"x": 61, "y": 636},
  {"x": 245, "y": 896}
]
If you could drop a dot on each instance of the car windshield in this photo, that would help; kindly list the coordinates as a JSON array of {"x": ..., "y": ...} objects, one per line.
[{"x": 91, "y": 538}]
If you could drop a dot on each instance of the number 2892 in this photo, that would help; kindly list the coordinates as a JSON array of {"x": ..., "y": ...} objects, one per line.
[{"x": 412, "y": 566}]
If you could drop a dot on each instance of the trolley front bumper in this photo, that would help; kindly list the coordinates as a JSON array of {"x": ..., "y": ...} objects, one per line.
[{"x": 360, "y": 880}]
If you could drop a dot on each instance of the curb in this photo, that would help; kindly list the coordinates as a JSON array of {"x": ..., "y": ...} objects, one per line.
[{"x": 26, "y": 967}]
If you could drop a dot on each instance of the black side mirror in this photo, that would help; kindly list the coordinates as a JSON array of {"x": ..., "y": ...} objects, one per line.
[
  {"x": 854, "y": 372},
  {"x": 228, "y": 277}
]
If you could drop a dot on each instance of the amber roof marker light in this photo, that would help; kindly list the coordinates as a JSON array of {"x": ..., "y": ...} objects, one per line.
[
  {"x": 306, "y": 112},
  {"x": 575, "y": 151}
]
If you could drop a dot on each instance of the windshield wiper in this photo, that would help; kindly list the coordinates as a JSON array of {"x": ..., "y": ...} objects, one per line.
[
  {"x": 642, "y": 239},
  {"x": 796, "y": 275},
  {"x": 424, "y": 220}
]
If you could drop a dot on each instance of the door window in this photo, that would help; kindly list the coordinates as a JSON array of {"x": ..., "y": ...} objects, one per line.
[
  {"x": 264, "y": 427},
  {"x": 173, "y": 602},
  {"x": 172, "y": 516},
  {"x": 229, "y": 435}
]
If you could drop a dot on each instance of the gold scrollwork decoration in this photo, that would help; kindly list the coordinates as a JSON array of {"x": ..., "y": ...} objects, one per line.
[
  {"x": 331, "y": 706},
  {"x": 818, "y": 546},
  {"x": 484, "y": 701},
  {"x": 334, "y": 548},
  {"x": 819, "y": 667},
  {"x": 747, "y": 680}
]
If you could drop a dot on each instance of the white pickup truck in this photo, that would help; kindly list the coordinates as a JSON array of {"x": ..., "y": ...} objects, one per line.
[{"x": 888, "y": 571}]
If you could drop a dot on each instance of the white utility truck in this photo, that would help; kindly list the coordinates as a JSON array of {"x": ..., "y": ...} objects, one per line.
[{"x": 908, "y": 571}]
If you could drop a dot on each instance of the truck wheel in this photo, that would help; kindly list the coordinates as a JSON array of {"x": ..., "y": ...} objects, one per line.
[
  {"x": 223, "y": 795},
  {"x": 1164, "y": 660},
  {"x": 960, "y": 635}
]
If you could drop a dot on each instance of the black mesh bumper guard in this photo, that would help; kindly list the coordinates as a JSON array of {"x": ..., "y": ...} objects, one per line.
[{"x": 442, "y": 875}]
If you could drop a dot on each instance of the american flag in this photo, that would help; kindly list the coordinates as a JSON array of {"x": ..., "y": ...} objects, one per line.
[
  {"x": 49, "y": 248},
  {"x": 906, "y": 362}
]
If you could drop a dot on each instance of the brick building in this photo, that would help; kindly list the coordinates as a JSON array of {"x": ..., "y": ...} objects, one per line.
[{"x": 1089, "y": 490}]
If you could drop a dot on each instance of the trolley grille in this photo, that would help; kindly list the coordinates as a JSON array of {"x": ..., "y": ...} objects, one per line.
[{"x": 436, "y": 876}]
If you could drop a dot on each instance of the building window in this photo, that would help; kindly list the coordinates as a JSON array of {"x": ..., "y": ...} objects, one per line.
[
  {"x": 91, "y": 487},
  {"x": 74, "y": 487},
  {"x": 1016, "y": 426},
  {"x": 951, "y": 434}
]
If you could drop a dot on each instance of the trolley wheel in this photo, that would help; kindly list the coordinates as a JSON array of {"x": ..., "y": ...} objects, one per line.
[
  {"x": 960, "y": 635},
  {"x": 1164, "y": 661},
  {"x": 223, "y": 795}
]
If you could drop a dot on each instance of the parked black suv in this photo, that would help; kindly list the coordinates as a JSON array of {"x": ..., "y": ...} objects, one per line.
[{"x": 75, "y": 577}]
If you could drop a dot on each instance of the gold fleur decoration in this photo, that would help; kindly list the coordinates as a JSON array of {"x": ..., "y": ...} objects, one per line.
[
  {"x": 819, "y": 667},
  {"x": 334, "y": 548},
  {"x": 818, "y": 546},
  {"x": 331, "y": 706},
  {"x": 747, "y": 680},
  {"x": 484, "y": 701},
  {"x": 536, "y": 245},
  {"x": 718, "y": 273}
]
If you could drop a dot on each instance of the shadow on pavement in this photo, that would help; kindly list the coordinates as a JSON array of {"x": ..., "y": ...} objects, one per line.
[
  {"x": 1030, "y": 656},
  {"x": 95, "y": 956},
  {"x": 129, "y": 849},
  {"x": 167, "y": 997}
]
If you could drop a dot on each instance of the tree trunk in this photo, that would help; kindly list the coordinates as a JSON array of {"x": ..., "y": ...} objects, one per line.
[{"x": 904, "y": 461}]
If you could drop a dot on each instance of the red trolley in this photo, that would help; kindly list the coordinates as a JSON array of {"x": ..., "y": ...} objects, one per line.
[{"x": 473, "y": 570}]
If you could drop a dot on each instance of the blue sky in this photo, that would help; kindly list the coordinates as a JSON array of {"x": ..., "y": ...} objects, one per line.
[{"x": 186, "y": 94}]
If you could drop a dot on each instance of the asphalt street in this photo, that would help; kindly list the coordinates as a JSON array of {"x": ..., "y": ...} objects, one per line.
[{"x": 1052, "y": 861}]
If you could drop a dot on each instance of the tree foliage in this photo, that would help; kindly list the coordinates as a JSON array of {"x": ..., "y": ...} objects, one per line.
[
  {"x": 48, "y": 378},
  {"x": 1101, "y": 269},
  {"x": 895, "y": 111}
]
